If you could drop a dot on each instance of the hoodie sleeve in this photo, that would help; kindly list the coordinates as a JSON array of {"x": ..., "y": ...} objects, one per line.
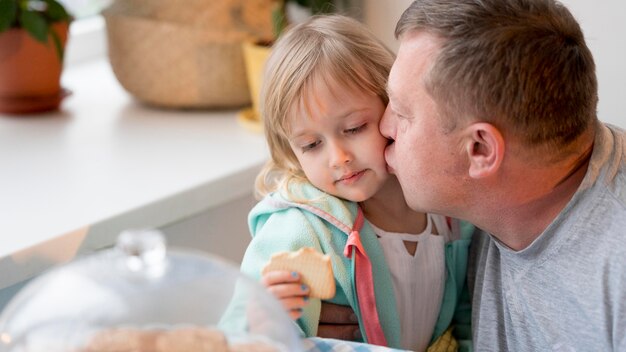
[{"x": 288, "y": 230}]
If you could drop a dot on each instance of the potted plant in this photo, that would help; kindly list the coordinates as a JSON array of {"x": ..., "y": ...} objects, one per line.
[
  {"x": 255, "y": 54},
  {"x": 280, "y": 18},
  {"x": 33, "y": 34}
]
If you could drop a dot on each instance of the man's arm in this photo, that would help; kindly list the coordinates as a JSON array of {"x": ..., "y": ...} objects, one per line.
[{"x": 338, "y": 322}]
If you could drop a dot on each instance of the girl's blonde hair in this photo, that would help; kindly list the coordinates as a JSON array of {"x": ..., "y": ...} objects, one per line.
[{"x": 331, "y": 48}]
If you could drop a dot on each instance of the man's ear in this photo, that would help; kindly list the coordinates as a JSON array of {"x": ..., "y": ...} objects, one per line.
[{"x": 484, "y": 146}]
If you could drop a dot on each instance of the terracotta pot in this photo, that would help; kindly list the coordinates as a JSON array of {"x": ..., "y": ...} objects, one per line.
[{"x": 30, "y": 71}]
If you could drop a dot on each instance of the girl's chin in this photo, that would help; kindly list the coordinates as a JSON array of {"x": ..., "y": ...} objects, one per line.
[{"x": 357, "y": 198}]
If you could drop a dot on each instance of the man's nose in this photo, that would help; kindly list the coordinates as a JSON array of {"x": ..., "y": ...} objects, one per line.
[{"x": 387, "y": 124}]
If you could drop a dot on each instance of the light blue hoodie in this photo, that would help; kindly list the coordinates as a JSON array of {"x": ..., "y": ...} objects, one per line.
[{"x": 279, "y": 224}]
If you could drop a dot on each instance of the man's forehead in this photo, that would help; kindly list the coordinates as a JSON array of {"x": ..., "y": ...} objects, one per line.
[
  {"x": 416, "y": 55},
  {"x": 418, "y": 51},
  {"x": 422, "y": 40}
]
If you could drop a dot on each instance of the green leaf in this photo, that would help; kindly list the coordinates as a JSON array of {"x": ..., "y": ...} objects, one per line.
[
  {"x": 58, "y": 46},
  {"x": 303, "y": 3},
  {"x": 317, "y": 6},
  {"x": 321, "y": 6},
  {"x": 279, "y": 21},
  {"x": 8, "y": 14},
  {"x": 35, "y": 24},
  {"x": 56, "y": 11}
]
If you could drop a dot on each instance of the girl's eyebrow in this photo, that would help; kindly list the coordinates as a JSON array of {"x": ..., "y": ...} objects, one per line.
[
  {"x": 296, "y": 133},
  {"x": 296, "y": 136},
  {"x": 356, "y": 111}
]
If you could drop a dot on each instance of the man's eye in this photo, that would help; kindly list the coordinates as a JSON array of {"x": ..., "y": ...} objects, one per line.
[
  {"x": 310, "y": 146},
  {"x": 355, "y": 129},
  {"x": 397, "y": 114}
]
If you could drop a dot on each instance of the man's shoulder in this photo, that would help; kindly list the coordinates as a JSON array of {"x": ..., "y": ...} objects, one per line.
[{"x": 607, "y": 170}]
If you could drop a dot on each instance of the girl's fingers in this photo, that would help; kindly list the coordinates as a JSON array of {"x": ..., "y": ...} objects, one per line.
[
  {"x": 281, "y": 291},
  {"x": 294, "y": 303},
  {"x": 287, "y": 287},
  {"x": 295, "y": 306},
  {"x": 279, "y": 277},
  {"x": 295, "y": 313}
]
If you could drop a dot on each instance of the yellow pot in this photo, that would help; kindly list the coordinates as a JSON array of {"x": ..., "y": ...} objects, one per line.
[{"x": 255, "y": 56}]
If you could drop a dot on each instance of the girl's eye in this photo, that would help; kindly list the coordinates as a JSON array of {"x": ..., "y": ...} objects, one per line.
[
  {"x": 355, "y": 129},
  {"x": 310, "y": 146}
]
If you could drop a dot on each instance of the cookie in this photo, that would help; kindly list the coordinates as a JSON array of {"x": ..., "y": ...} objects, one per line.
[{"x": 314, "y": 268}]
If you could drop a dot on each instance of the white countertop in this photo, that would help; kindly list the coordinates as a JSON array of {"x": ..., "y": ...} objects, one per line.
[{"x": 70, "y": 181}]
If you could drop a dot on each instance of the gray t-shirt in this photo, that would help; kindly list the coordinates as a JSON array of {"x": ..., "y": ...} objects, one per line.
[{"x": 567, "y": 290}]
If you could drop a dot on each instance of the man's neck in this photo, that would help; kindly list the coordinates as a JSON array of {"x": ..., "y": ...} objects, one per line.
[{"x": 542, "y": 195}]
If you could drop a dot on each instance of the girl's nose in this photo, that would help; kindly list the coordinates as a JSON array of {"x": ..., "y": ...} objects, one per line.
[{"x": 339, "y": 155}]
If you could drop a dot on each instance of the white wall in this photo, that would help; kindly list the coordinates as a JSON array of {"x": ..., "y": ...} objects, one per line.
[
  {"x": 604, "y": 26},
  {"x": 603, "y": 23},
  {"x": 381, "y": 17}
]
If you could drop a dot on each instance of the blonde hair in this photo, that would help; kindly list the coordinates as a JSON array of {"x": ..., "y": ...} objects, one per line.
[{"x": 324, "y": 48}]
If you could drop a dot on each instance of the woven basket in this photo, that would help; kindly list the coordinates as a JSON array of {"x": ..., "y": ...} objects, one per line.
[{"x": 184, "y": 54}]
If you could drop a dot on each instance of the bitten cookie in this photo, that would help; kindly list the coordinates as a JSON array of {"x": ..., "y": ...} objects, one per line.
[{"x": 314, "y": 268}]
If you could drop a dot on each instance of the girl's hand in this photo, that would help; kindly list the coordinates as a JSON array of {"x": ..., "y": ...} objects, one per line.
[{"x": 288, "y": 288}]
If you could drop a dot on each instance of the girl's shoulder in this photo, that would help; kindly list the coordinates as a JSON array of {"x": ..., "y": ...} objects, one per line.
[
  {"x": 453, "y": 228},
  {"x": 310, "y": 203}
]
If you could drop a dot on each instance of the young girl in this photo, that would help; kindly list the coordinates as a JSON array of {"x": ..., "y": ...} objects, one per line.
[{"x": 327, "y": 187}]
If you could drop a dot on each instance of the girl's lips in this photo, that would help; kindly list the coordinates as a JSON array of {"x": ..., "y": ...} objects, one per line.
[{"x": 351, "y": 178}]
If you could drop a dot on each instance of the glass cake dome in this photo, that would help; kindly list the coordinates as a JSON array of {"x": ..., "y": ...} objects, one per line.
[{"x": 140, "y": 297}]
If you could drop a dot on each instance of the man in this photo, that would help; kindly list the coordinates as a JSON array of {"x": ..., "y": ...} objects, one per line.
[{"x": 493, "y": 116}]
